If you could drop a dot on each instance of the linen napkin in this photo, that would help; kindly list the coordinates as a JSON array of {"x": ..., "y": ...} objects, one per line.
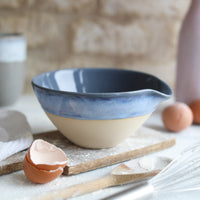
[{"x": 15, "y": 133}]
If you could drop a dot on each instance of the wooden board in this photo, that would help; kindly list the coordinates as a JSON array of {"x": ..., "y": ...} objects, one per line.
[{"x": 142, "y": 142}]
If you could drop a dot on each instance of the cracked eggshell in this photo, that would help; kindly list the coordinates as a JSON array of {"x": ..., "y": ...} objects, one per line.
[
  {"x": 44, "y": 162},
  {"x": 44, "y": 155},
  {"x": 39, "y": 175}
]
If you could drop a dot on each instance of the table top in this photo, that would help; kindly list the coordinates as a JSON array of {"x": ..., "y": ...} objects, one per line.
[{"x": 16, "y": 185}]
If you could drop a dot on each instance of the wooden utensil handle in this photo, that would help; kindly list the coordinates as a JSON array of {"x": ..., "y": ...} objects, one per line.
[
  {"x": 94, "y": 185},
  {"x": 80, "y": 189}
]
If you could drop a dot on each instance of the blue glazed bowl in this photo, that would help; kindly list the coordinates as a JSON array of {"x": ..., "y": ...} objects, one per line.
[{"x": 97, "y": 107}]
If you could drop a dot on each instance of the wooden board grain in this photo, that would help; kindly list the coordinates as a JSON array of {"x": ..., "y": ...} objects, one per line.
[{"x": 143, "y": 142}]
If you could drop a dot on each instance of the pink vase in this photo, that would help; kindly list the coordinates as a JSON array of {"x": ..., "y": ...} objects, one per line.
[{"x": 188, "y": 63}]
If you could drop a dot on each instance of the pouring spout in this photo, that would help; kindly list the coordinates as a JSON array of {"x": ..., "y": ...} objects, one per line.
[{"x": 160, "y": 89}]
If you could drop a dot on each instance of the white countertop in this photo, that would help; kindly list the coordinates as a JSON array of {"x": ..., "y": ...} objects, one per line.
[{"x": 16, "y": 185}]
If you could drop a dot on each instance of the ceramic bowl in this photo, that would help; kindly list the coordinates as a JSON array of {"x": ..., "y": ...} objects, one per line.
[{"x": 97, "y": 107}]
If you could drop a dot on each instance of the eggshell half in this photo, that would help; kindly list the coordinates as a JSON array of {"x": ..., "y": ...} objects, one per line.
[
  {"x": 44, "y": 162},
  {"x": 44, "y": 155},
  {"x": 38, "y": 175}
]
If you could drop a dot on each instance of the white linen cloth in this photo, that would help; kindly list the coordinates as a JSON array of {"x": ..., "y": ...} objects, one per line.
[{"x": 15, "y": 133}]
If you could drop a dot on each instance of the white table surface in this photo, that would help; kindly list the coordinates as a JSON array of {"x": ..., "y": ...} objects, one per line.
[{"x": 17, "y": 186}]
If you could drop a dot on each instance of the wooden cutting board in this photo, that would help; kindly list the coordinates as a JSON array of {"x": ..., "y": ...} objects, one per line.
[{"x": 142, "y": 142}]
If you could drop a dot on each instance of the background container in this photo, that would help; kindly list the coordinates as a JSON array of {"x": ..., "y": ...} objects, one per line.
[
  {"x": 12, "y": 67},
  {"x": 188, "y": 63}
]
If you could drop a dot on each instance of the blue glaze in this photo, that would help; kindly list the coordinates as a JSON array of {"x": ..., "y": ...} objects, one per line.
[{"x": 98, "y": 94}]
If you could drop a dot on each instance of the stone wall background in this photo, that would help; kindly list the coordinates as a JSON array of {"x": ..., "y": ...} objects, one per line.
[{"x": 130, "y": 34}]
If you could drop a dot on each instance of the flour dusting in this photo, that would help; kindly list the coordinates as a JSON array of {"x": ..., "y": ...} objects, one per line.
[{"x": 153, "y": 163}]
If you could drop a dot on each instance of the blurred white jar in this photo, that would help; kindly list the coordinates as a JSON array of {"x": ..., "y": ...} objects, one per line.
[
  {"x": 188, "y": 63},
  {"x": 12, "y": 67}
]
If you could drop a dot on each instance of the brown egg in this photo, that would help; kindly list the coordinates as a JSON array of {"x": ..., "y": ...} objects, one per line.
[
  {"x": 44, "y": 162},
  {"x": 177, "y": 117},
  {"x": 195, "y": 107}
]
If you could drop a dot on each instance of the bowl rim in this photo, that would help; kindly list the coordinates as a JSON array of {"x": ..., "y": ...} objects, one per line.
[{"x": 106, "y": 94}]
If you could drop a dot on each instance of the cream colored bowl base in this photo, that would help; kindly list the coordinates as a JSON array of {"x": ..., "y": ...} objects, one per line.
[{"x": 97, "y": 133}]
